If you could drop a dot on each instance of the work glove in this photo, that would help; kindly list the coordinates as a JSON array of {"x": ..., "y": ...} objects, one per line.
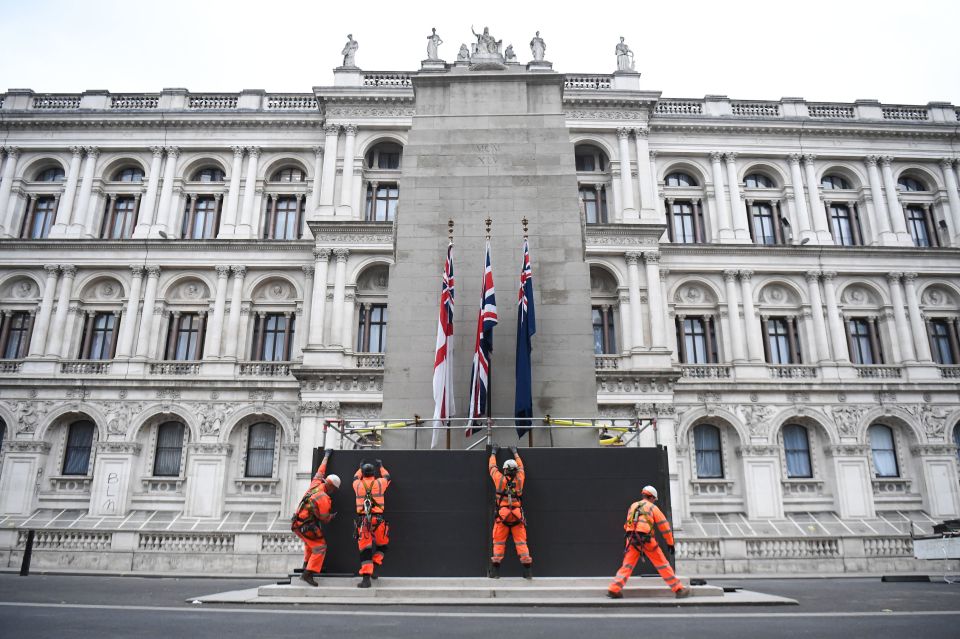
[
  {"x": 671, "y": 550},
  {"x": 513, "y": 449},
  {"x": 379, "y": 463},
  {"x": 494, "y": 449},
  {"x": 327, "y": 453}
]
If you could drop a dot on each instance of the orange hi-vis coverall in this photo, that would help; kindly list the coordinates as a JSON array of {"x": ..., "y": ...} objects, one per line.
[
  {"x": 641, "y": 519},
  {"x": 373, "y": 532},
  {"x": 509, "y": 519},
  {"x": 314, "y": 509}
]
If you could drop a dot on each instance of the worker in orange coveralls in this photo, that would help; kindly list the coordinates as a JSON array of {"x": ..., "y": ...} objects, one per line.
[
  {"x": 642, "y": 517},
  {"x": 370, "y": 483},
  {"x": 314, "y": 511},
  {"x": 509, "y": 516}
]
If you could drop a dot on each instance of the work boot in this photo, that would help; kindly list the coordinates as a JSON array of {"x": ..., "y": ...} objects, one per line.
[
  {"x": 365, "y": 583},
  {"x": 683, "y": 593},
  {"x": 307, "y": 576},
  {"x": 301, "y": 568},
  {"x": 494, "y": 571},
  {"x": 374, "y": 576},
  {"x": 528, "y": 571},
  {"x": 614, "y": 595}
]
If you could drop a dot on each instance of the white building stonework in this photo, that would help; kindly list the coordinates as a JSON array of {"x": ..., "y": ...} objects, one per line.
[{"x": 191, "y": 284}]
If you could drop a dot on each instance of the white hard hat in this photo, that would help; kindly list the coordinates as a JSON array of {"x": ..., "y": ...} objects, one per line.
[
  {"x": 333, "y": 480},
  {"x": 510, "y": 463},
  {"x": 649, "y": 490}
]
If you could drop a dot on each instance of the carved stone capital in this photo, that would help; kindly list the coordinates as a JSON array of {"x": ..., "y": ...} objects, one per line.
[
  {"x": 946, "y": 163},
  {"x": 745, "y": 275},
  {"x": 811, "y": 276},
  {"x": 341, "y": 254},
  {"x": 716, "y": 156},
  {"x": 253, "y": 151},
  {"x": 623, "y": 133},
  {"x": 92, "y": 152},
  {"x": 730, "y": 275},
  {"x": 894, "y": 276},
  {"x": 136, "y": 270},
  {"x": 68, "y": 270},
  {"x": 124, "y": 448},
  {"x": 350, "y": 129},
  {"x": 25, "y": 446},
  {"x": 239, "y": 270},
  {"x": 829, "y": 276},
  {"x": 318, "y": 150},
  {"x": 871, "y": 160},
  {"x": 209, "y": 448},
  {"x": 223, "y": 271},
  {"x": 173, "y": 151},
  {"x": 322, "y": 254},
  {"x": 238, "y": 151},
  {"x": 925, "y": 450},
  {"x": 808, "y": 158},
  {"x": 886, "y": 160},
  {"x": 632, "y": 257},
  {"x": 651, "y": 257},
  {"x": 308, "y": 270},
  {"x": 153, "y": 271},
  {"x": 730, "y": 157},
  {"x": 909, "y": 278},
  {"x": 157, "y": 151},
  {"x": 642, "y": 133},
  {"x": 332, "y": 129},
  {"x": 76, "y": 151},
  {"x": 795, "y": 158}
]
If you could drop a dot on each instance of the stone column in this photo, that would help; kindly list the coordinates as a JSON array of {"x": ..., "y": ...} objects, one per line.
[
  {"x": 228, "y": 225},
  {"x": 658, "y": 338},
  {"x": 820, "y": 349},
  {"x": 41, "y": 327},
  {"x": 59, "y": 325},
  {"x": 645, "y": 173},
  {"x": 852, "y": 471},
  {"x": 79, "y": 222},
  {"x": 92, "y": 224},
  {"x": 761, "y": 476},
  {"x": 332, "y": 132},
  {"x": 921, "y": 341},
  {"x": 818, "y": 214},
  {"x": 339, "y": 293},
  {"x": 65, "y": 210},
  {"x": 146, "y": 210},
  {"x": 346, "y": 180},
  {"x": 147, "y": 319},
  {"x": 244, "y": 228},
  {"x": 317, "y": 172},
  {"x": 211, "y": 349},
  {"x": 904, "y": 337},
  {"x": 233, "y": 323},
  {"x": 628, "y": 211},
  {"x": 349, "y": 309},
  {"x": 164, "y": 210},
  {"x": 897, "y": 222},
  {"x": 733, "y": 309},
  {"x": 636, "y": 308},
  {"x": 724, "y": 222},
  {"x": 881, "y": 213},
  {"x": 741, "y": 228},
  {"x": 953, "y": 196},
  {"x": 800, "y": 203},
  {"x": 941, "y": 490},
  {"x": 207, "y": 470},
  {"x": 13, "y": 154},
  {"x": 626, "y": 338},
  {"x": 22, "y": 461},
  {"x": 838, "y": 332},
  {"x": 755, "y": 336},
  {"x": 305, "y": 319},
  {"x": 128, "y": 325},
  {"x": 318, "y": 299}
]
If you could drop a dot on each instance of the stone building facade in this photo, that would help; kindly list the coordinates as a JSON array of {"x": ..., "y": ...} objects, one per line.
[{"x": 191, "y": 284}]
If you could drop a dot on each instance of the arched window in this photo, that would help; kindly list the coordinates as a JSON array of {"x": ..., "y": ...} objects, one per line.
[
  {"x": 129, "y": 174},
  {"x": 884, "y": 451},
  {"x": 53, "y": 174},
  {"x": 907, "y": 183},
  {"x": 757, "y": 181},
  {"x": 706, "y": 441},
  {"x": 590, "y": 159},
  {"x": 679, "y": 178},
  {"x": 208, "y": 174},
  {"x": 796, "y": 445},
  {"x": 289, "y": 174},
  {"x": 261, "y": 442},
  {"x": 3, "y": 432},
  {"x": 834, "y": 182},
  {"x": 76, "y": 457},
  {"x": 166, "y": 460},
  {"x": 956, "y": 440},
  {"x": 384, "y": 156}
]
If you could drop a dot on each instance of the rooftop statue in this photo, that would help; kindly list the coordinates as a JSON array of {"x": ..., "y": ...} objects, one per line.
[
  {"x": 349, "y": 52},
  {"x": 433, "y": 42},
  {"x": 464, "y": 55},
  {"x": 486, "y": 43},
  {"x": 538, "y": 47},
  {"x": 624, "y": 56},
  {"x": 509, "y": 55}
]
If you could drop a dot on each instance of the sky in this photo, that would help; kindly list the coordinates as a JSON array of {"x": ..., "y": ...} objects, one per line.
[{"x": 838, "y": 50}]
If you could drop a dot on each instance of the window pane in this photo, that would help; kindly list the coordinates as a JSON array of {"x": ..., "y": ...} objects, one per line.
[
  {"x": 166, "y": 463},
  {"x": 884, "y": 451},
  {"x": 260, "y": 445},
  {"x": 76, "y": 459},
  {"x": 706, "y": 441},
  {"x": 796, "y": 445}
]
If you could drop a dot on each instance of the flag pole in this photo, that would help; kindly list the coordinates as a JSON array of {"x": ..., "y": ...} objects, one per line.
[
  {"x": 489, "y": 222},
  {"x": 449, "y": 244},
  {"x": 525, "y": 222}
]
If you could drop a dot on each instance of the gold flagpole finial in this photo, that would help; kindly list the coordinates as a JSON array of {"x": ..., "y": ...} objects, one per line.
[
  {"x": 488, "y": 222},
  {"x": 524, "y": 221},
  {"x": 450, "y": 230}
]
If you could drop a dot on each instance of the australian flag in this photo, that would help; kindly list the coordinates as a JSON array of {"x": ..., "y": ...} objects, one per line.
[
  {"x": 526, "y": 327},
  {"x": 480, "y": 373}
]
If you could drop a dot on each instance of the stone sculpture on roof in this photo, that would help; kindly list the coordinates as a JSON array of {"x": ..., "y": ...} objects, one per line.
[
  {"x": 538, "y": 47},
  {"x": 433, "y": 42},
  {"x": 349, "y": 52},
  {"x": 624, "y": 56}
]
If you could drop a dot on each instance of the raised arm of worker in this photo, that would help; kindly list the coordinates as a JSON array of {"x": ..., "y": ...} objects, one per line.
[
  {"x": 494, "y": 471},
  {"x": 384, "y": 474},
  {"x": 321, "y": 473}
]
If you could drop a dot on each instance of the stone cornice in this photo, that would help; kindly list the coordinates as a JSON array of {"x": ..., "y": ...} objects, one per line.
[
  {"x": 684, "y": 124},
  {"x": 158, "y": 247},
  {"x": 257, "y": 120},
  {"x": 352, "y": 233},
  {"x": 857, "y": 252}
]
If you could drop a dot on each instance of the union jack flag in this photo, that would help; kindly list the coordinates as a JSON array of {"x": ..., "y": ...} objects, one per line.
[
  {"x": 480, "y": 373},
  {"x": 443, "y": 361}
]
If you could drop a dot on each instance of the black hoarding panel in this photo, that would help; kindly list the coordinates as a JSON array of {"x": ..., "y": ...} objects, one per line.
[{"x": 440, "y": 510}]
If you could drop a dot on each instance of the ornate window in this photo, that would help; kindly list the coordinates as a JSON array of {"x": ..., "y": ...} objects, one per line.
[
  {"x": 594, "y": 202},
  {"x": 910, "y": 184},
  {"x": 863, "y": 340},
  {"x": 766, "y": 226},
  {"x": 758, "y": 181},
  {"x": 385, "y": 155},
  {"x": 685, "y": 221},
  {"x": 208, "y": 174},
  {"x": 284, "y": 218},
  {"x": 944, "y": 345},
  {"x": 261, "y": 443},
  {"x": 201, "y": 217},
  {"x": 680, "y": 179},
  {"x": 129, "y": 174},
  {"x": 593, "y": 178},
  {"x": 796, "y": 446},
  {"x": 834, "y": 182},
  {"x": 76, "y": 457},
  {"x": 273, "y": 337},
  {"x": 884, "y": 451},
  {"x": 185, "y": 336},
  {"x": 41, "y": 213},
  {"x": 99, "y": 336},
  {"x": 289, "y": 174},
  {"x": 920, "y": 225},
  {"x": 604, "y": 333},
  {"x": 696, "y": 339},
  {"x": 120, "y": 217},
  {"x": 382, "y": 201},
  {"x": 372, "y": 329},
  {"x": 166, "y": 459},
  {"x": 956, "y": 440},
  {"x": 782, "y": 340},
  {"x": 590, "y": 159},
  {"x": 15, "y": 329},
  {"x": 53, "y": 174},
  {"x": 706, "y": 442},
  {"x": 845, "y": 224}
]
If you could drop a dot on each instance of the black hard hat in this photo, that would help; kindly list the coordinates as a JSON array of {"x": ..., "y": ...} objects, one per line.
[{"x": 368, "y": 469}]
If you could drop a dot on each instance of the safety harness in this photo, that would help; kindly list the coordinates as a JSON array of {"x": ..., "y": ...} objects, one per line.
[
  {"x": 368, "y": 518},
  {"x": 638, "y": 537},
  {"x": 311, "y": 522},
  {"x": 508, "y": 489}
]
